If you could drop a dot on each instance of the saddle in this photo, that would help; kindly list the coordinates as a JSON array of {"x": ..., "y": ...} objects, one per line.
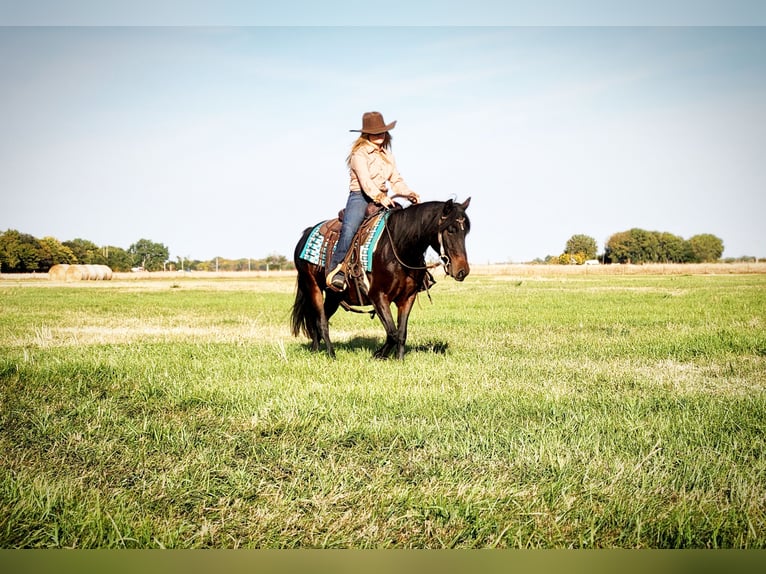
[
  {"x": 354, "y": 265},
  {"x": 329, "y": 232},
  {"x": 320, "y": 246},
  {"x": 372, "y": 209}
]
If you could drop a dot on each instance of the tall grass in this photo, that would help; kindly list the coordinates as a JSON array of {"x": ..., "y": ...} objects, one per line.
[{"x": 547, "y": 412}]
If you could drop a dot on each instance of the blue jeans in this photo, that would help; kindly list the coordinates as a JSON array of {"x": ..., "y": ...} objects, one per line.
[{"x": 356, "y": 206}]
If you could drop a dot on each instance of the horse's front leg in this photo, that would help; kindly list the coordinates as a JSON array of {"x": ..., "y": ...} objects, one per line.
[{"x": 383, "y": 308}]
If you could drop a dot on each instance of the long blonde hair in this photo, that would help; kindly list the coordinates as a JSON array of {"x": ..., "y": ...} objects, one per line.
[{"x": 363, "y": 139}]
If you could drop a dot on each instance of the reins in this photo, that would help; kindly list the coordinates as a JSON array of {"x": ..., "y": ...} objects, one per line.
[
  {"x": 444, "y": 258},
  {"x": 403, "y": 264}
]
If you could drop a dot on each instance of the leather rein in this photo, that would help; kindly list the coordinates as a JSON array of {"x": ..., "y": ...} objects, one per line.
[{"x": 443, "y": 256}]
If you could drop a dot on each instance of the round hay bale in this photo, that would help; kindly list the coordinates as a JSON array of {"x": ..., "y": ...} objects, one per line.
[
  {"x": 58, "y": 272},
  {"x": 75, "y": 273},
  {"x": 101, "y": 272},
  {"x": 87, "y": 273}
]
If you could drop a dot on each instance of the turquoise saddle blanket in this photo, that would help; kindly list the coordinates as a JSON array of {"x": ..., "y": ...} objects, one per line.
[{"x": 316, "y": 249}]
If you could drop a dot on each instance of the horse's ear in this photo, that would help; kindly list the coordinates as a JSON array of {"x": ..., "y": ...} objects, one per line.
[
  {"x": 466, "y": 203},
  {"x": 449, "y": 205}
]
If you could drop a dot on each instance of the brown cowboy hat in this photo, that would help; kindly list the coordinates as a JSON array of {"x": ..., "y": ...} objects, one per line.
[{"x": 373, "y": 123}]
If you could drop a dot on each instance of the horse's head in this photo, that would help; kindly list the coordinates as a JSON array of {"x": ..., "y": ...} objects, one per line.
[{"x": 454, "y": 225}]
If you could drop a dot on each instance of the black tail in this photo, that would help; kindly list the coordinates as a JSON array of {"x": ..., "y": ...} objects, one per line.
[{"x": 304, "y": 316}]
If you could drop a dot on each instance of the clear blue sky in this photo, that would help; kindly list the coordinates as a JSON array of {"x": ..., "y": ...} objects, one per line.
[{"x": 229, "y": 140}]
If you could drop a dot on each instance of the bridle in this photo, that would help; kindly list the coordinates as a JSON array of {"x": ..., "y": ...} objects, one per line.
[
  {"x": 442, "y": 252},
  {"x": 443, "y": 256}
]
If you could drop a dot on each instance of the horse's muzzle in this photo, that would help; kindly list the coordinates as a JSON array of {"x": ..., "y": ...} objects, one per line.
[{"x": 460, "y": 272}]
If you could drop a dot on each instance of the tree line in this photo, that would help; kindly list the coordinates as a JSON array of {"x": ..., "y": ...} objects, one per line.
[
  {"x": 24, "y": 253},
  {"x": 641, "y": 246}
]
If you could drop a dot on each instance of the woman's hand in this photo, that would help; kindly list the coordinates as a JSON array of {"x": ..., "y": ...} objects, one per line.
[
  {"x": 383, "y": 199},
  {"x": 412, "y": 197}
]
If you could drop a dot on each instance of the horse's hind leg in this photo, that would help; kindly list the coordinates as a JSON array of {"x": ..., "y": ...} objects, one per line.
[
  {"x": 331, "y": 304},
  {"x": 322, "y": 329}
]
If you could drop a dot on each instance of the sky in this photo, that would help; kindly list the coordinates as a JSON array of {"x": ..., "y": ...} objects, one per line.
[{"x": 225, "y": 133}]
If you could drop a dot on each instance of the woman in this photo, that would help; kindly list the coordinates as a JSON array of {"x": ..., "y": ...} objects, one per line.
[{"x": 372, "y": 167}]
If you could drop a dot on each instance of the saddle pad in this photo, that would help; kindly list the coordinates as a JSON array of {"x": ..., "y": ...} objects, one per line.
[
  {"x": 317, "y": 251},
  {"x": 371, "y": 241}
]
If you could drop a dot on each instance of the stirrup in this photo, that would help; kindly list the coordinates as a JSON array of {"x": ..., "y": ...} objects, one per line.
[
  {"x": 338, "y": 281},
  {"x": 336, "y": 278}
]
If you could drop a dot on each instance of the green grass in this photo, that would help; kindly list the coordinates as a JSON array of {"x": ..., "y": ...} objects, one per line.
[{"x": 575, "y": 412}]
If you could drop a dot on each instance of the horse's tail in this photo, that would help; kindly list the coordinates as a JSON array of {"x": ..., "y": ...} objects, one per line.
[{"x": 303, "y": 318}]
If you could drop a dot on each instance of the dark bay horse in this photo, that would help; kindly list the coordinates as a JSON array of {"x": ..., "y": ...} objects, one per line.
[{"x": 398, "y": 273}]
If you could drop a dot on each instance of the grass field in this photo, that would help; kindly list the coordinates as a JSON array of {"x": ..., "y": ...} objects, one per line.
[{"x": 598, "y": 410}]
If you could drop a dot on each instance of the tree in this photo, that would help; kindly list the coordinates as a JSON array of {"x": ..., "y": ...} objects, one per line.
[
  {"x": 673, "y": 249},
  {"x": 571, "y": 259},
  {"x": 53, "y": 252},
  {"x": 618, "y": 248},
  {"x": 633, "y": 246},
  {"x": 86, "y": 252},
  {"x": 706, "y": 247},
  {"x": 641, "y": 246},
  {"x": 19, "y": 252},
  {"x": 276, "y": 261},
  {"x": 581, "y": 244},
  {"x": 647, "y": 245},
  {"x": 148, "y": 254},
  {"x": 117, "y": 258}
]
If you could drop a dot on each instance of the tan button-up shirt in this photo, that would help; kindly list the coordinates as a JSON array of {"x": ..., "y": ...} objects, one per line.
[{"x": 371, "y": 168}]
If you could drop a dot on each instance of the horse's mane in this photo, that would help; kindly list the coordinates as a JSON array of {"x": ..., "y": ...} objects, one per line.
[{"x": 414, "y": 224}]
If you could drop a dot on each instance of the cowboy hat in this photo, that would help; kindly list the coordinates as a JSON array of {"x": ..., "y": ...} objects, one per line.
[{"x": 373, "y": 123}]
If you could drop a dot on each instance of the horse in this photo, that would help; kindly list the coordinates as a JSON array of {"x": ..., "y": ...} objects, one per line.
[{"x": 398, "y": 273}]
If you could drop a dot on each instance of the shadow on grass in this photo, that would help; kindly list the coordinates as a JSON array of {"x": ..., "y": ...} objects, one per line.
[{"x": 372, "y": 344}]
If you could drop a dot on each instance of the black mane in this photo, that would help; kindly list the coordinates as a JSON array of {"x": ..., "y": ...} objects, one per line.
[{"x": 415, "y": 228}]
